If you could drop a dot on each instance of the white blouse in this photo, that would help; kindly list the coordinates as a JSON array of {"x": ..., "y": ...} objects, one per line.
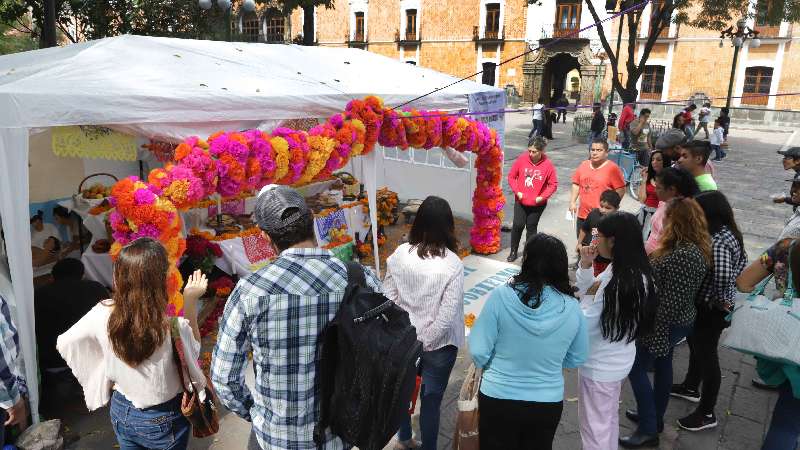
[
  {"x": 432, "y": 291},
  {"x": 88, "y": 352}
]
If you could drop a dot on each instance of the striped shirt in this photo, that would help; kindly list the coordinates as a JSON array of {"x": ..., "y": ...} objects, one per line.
[
  {"x": 719, "y": 287},
  {"x": 432, "y": 291},
  {"x": 279, "y": 313}
]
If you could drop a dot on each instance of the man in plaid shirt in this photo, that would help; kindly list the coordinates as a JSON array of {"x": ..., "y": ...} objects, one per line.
[
  {"x": 12, "y": 384},
  {"x": 279, "y": 313}
]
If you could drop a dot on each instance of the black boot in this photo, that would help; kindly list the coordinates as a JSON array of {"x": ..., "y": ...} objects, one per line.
[
  {"x": 639, "y": 440},
  {"x": 633, "y": 416},
  {"x": 512, "y": 256}
]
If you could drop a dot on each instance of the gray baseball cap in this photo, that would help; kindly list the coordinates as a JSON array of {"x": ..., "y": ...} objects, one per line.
[
  {"x": 791, "y": 152},
  {"x": 670, "y": 138},
  {"x": 278, "y": 207}
]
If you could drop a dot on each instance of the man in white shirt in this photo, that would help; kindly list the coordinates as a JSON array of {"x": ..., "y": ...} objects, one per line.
[
  {"x": 538, "y": 118},
  {"x": 705, "y": 116}
]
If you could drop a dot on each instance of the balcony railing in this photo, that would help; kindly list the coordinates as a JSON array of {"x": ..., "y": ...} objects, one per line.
[
  {"x": 488, "y": 35},
  {"x": 275, "y": 38},
  {"x": 550, "y": 31},
  {"x": 768, "y": 31}
]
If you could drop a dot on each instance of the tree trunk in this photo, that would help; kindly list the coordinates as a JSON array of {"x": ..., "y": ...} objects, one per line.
[
  {"x": 308, "y": 25},
  {"x": 628, "y": 95},
  {"x": 49, "y": 25}
]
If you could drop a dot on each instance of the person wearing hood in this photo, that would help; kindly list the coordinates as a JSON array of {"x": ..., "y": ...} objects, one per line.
[
  {"x": 528, "y": 332},
  {"x": 533, "y": 180}
]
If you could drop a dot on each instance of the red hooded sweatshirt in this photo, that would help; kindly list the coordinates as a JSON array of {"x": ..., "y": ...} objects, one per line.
[{"x": 533, "y": 180}]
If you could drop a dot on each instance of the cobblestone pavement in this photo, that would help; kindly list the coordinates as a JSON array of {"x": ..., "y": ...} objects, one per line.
[{"x": 750, "y": 174}]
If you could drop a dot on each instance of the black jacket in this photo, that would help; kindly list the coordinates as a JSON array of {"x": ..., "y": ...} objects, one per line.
[{"x": 598, "y": 123}]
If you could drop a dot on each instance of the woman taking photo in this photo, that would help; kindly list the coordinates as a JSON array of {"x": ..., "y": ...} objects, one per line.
[
  {"x": 784, "y": 428},
  {"x": 426, "y": 278},
  {"x": 647, "y": 190},
  {"x": 714, "y": 302},
  {"x": 533, "y": 181},
  {"x": 528, "y": 331},
  {"x": 619, "y": 306},
  {"x": 124, "y": 345},
  {"x": 680, "y": 265}
]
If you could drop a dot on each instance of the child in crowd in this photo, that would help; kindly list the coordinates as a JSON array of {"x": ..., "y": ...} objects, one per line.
[
  {"x": 693, "y": 158},
  {"x": 609, "y": 203},
  {"x": 716, "y": 140}
]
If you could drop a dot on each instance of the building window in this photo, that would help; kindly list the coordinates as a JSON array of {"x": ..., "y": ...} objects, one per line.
[
  {"x": 411, "y": 24},
  {"x": 359, "y": 35},
  {"x": 764, "y": 11},
  {"x": 276, "y": 28},
  {"x": 757, "y": 81},
  {"x": 568, "y": 18},
  {"x": 488, "y": 73},
  {"x": 657, "y": 6},
  {"x": 492, "y": 30},
  {"x": 652, "y": 83},
  {"x": 250, "y": 28}
]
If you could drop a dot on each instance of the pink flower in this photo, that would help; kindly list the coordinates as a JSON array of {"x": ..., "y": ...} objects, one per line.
[{"x": 144, "y": 197}]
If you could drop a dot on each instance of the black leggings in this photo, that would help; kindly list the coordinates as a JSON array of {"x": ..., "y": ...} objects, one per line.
[
  {"x": 516, "y": 424},
  {"x": 703, "y": 357},
  {"x": 525, "y": 216}
]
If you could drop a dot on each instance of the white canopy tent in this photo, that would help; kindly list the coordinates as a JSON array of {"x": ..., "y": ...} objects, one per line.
[{"x": 170, "y": 89}]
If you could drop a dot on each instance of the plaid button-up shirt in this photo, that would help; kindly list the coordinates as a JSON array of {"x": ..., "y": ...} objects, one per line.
[
  {"x": 719, "y": 287},
  {"x": 12, "y": 384},
  {"x": 279, "y": 313}
]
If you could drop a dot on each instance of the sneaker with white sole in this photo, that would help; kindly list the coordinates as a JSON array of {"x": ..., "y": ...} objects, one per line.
[
  {"x": 697, "y": 421},
  {"x": 680, "y": 391}
]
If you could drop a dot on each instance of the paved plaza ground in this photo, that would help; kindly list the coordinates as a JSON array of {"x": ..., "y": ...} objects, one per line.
[{"x": 750, "y": 174}]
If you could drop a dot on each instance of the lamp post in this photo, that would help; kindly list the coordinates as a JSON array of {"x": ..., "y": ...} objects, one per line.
[
  {"x": 225, "y": 5},
  {"x": 738, "y": 37}
]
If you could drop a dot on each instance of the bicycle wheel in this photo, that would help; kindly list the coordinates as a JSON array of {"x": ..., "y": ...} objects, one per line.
[{"x": 635, "y": 182}]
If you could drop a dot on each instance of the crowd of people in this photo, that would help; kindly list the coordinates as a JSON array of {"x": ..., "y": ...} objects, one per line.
[{"x": 643, "y": 283}]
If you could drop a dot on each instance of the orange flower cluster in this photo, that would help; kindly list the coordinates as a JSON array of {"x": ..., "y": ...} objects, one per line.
[{"x": 469, "y": 320}]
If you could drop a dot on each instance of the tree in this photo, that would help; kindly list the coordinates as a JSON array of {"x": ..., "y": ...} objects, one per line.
[
  {"x": 308, "y": 15},
  {"x": 79, "y": 20},
  {"x": 707, "y": 14},
  {"x": 12, "y": 41}
]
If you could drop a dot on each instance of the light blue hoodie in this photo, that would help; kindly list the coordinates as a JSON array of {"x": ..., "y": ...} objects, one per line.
[{"x": 523, "y": 350}]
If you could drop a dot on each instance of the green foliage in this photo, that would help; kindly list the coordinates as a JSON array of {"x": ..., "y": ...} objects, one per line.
[
  {"x": 12, "y": 41},
  {"x": 291, "y": 5}
]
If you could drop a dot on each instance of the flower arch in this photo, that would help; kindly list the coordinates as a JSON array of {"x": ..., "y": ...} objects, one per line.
[{"x": 232, "y": 163}]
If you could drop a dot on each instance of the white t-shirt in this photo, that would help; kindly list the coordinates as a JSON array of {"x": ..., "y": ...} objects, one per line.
[
  {"x": 38, "y": 237},
  {"x": 717, "y": 136},
  {"x": 537, "y": 111},
  {"x": 705, "y": 114},
  {"x": 608, "y": 361},
  {"x": 88, "y": 352}
]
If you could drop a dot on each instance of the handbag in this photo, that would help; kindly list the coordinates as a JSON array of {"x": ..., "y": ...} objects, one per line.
[
  {"x": 200, "y": 410},
  {"x": 768, "y": 329},
  {"x": 468, "y": 418}
]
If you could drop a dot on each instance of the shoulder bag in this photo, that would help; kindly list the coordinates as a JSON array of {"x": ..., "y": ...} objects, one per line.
[{"x": 200, "y": 410}]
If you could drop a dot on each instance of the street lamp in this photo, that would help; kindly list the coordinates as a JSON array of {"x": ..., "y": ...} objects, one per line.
[
  {"x": 738, "y": 37},
  {"x": 225, "y": 5}
]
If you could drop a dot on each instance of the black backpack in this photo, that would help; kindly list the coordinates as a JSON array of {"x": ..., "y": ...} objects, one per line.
[{"x": 368, "y": 367}]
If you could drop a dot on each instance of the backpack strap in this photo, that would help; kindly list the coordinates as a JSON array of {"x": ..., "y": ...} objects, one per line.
[{"x": 355, "y": 274}]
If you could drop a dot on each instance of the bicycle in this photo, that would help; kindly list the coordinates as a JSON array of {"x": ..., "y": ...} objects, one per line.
[{"x": 631, "y": 169}]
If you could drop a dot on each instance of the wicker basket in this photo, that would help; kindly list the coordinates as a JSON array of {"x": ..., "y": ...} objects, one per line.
[{"x": 82, "y": 203}]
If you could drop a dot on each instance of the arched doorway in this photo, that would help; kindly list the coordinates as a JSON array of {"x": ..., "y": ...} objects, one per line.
[{"x": 555, "y": 80}]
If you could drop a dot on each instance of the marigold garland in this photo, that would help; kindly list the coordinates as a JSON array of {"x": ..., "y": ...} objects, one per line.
[{"x": 230, "y": 163}]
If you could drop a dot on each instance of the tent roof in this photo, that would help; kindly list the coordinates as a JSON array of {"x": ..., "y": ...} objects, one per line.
[{"x": 140, "y": 80}]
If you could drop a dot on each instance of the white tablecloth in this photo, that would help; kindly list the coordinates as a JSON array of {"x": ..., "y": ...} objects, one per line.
[{"x": 98, "y": 267}]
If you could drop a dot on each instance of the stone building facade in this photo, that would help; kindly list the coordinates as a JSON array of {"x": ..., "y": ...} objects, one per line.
[{"x": 688, "y": 62}]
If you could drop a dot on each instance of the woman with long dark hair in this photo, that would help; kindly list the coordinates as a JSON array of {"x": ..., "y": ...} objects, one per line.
[
  {"x": 714, "y": 302},
  {"x": 619, "y": 306},
  {"x": 680, "y": 264},
  {"x": 426, "y": 278},
  {"x": 529, "y": 330},
  {"x": 123, "y": 345},
  {"x": 647, "y": 191}
]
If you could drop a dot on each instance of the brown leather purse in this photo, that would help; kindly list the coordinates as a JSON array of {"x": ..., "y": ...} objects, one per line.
[{"x": 203, "y": 415}]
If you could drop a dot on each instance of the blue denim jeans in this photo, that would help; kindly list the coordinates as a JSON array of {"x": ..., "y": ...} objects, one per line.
[
  {"x": 652, "y": 399},
  {"x": 592, "y": 136},
  {"x": 538, "y": 126},
  {"x": 784, "y": 429},
  {"x": 436, "y": 368},
  {"x": 160, "y": 427}
]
